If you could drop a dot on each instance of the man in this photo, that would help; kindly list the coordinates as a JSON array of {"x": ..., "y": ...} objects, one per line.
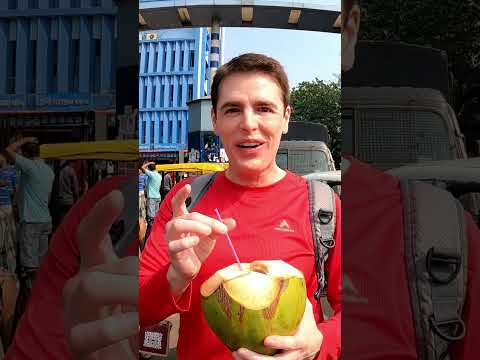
[
  {"x": 250, "y": 112},
  {"x": 8, "y": 186},
  {"x": 167, "y": 184},
  {"x": 33, "y": 196},
  {"x": 66, "y": 190},
  {"x": 154, "y": 180},
  {"x": 378, "y": 320}
]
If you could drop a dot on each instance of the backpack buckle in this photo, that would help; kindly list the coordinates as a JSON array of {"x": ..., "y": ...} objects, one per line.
[
  {"x": 325, "y": 216},
  {"x": 453, "y": 329},
  {"x": 450, "y": 264}
]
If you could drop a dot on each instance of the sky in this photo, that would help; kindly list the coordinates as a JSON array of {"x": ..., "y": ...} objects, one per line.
[{"x": 304, "y": 54}]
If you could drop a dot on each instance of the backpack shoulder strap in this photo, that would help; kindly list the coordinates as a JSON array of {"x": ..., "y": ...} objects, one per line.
[
  {"x": 436, "y": 259},
  {"x": 322, "y": 219},
  {"x": 200, "y": 186}
]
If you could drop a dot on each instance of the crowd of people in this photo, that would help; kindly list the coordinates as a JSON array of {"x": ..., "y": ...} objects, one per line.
[
  {"x": 152, "y": 188},
  {"x": 34, "y": 198}
]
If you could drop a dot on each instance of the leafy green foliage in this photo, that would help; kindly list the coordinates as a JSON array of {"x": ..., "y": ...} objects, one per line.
[{"x": 319, "y": 102}]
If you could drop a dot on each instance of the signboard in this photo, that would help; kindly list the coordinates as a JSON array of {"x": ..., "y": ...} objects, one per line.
[
  {"x": 62, "y": 100},
  {"x": 12, "y": 101}
]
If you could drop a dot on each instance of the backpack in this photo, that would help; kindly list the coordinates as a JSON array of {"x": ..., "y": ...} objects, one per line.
[
  {"x": 322, "y": 218},
  {"x": 436, "y": 261}
]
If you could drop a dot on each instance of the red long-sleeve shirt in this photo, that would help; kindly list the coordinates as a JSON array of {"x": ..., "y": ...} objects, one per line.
[
  {"x": 259, "y": 212},
  {"x": 377, "y": 317}
]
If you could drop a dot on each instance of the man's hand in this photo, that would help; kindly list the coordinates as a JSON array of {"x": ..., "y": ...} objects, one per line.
[
  {"x": 190, "y": 238},
  {"x": 11, "y": 150},
  {"x": 101, "y": 319},
  {"x": 303, "y": 345}
]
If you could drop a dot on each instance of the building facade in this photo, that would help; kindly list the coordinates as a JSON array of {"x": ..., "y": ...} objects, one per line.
[
  {"x": 174, "y": 69},
  {"x": 58, "y": 68}
]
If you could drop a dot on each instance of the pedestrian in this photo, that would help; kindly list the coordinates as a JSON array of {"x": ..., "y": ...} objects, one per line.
[
  {"x": 8, "y": 184},
  {"x": 142, "y": 182},
  {"x": 33, "y": 194},
  {"x": 167, "y": 184},
  {"x": 154, "y": 180},
  {"x": 265, "y": 210},
  {"x": 65, "y": 191}
]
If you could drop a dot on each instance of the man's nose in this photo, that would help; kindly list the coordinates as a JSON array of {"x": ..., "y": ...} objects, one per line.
[{"x": 249, "y": 120}]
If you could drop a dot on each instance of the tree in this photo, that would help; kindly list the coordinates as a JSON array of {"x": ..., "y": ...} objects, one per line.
[
  {"x": 319, "y": 102},
  {"x": 450, "y": 25}
]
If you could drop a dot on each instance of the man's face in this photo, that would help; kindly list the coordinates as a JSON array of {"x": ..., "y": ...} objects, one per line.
[
  {"x": 3, "y": 161},
  {"x": 250, "y": 120},
  {"x": 349, "y": 37}
]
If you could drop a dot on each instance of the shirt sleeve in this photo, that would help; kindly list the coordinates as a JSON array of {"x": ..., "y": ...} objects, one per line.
[
  {"x": 156, "y": 301},
  {"x": 467, "y": 348},
  {"x": 331, "y": 328},
  {"x": 24, "y": 165},
  {"x": 148, "y": 173}
]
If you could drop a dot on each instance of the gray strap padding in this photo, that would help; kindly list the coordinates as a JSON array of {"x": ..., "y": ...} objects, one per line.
[
  {"x": 436, "y": 260},
  {"x": 322, "y": 219},
  {"x": 200, "y": 186}
]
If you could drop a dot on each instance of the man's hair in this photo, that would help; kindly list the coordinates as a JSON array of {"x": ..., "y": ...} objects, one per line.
[
  {"x": 31, "y": 150},
  {"x": 151, "y": 167},
  {"x": 249, "y": 63}
]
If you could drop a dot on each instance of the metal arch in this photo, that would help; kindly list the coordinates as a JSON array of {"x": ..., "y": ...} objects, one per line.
[{"x": 315, "y": 16}]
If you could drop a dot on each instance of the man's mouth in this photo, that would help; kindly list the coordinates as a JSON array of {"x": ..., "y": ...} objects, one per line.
[{"x": 249, "y": 145}]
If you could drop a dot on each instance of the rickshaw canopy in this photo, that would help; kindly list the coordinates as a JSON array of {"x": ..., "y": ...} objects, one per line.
[
  {"x": 121, "y": 150},
  {"x": 193, "y": 167}
]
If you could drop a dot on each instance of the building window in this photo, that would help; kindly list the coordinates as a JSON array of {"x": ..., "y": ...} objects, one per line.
[
  {"x": 152, "y": 132},
  {"x": 154, "y": 92},
  {"x": 95, "y": 3},
  {"x": 33, "y": 4},
  {"x": 97, "y": 76},
  {"x": 155, "y": 59},
  {"x": 75, "y": 65},
  {"x": 179, "y": 95},
  {"x": 75, "y": 3},
  {"x": 12, "y": 4},
  {"x": 143, "y": 133},
  {"x": 147, "y": 59},
  {"x": 54, "y": 66},
  {"x": 171, "y": 96},
  {"x": 190, "y": 92},
  {"x": 145, "y": 94},
  {"x": 164, "y": 64},
  {"x": 54, "y": 3},
  {"x": 192, "y": 59},
  {"x": 32, "y": 71},
  {"x": 182, "y": 55},
  {"x": 161, "y": 95},
  {"x": 173, "y": 60},
  {"x": 11, "y": 66}
]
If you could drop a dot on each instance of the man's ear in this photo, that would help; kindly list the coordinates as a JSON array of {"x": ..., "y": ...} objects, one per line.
[
  {"x": 350, "y": 30},
  {"x": 214, "y": 120},
  {"x": 286, "y": 119}
]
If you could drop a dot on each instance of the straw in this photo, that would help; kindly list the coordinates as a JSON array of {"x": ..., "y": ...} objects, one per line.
[{"x": 229, "y": 241}]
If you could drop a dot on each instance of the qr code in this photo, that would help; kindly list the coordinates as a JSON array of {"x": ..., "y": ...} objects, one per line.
[{"x": 153, "y": 340}]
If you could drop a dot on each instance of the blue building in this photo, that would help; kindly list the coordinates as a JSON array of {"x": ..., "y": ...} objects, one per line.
[
  {"x": 57, "y": 66},
  {"x": 174, "y": 69}
]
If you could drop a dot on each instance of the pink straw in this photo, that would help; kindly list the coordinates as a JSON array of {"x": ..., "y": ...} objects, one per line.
[{"x": 229, "y": 241}]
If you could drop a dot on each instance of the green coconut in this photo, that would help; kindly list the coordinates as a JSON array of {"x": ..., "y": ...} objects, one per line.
[{"x": 243, "y": 307}]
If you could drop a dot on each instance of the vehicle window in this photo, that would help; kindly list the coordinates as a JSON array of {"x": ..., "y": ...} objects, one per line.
[{"x": 392, "y": 138}]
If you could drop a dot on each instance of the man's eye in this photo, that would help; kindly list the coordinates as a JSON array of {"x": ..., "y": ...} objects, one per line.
[
  {"x": 231, "y": 110},
  {"x": 265, "y": 109}
]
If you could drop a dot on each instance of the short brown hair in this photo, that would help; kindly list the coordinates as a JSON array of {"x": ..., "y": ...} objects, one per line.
[{"x": 248, "y": 63}]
